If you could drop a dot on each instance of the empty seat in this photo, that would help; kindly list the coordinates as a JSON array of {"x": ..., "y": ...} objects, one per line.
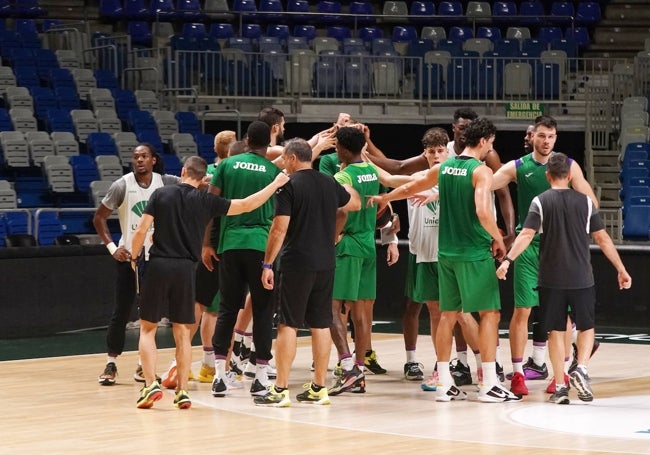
[
  {"x": 19, "y": 97},
  {"x": 100, "y": 143},
  {"x": 478, "y": 11},
  {"x": 59, "y": 174},
  {"x": 188, "y": 122},
  {"x": 183, "y": 145},
  {"x": 40, "y": 145},
  {"x": 67, "y": 58},
  {"x": 14, "y": 148},
  {"x": 7, "y": 197},
  {"x": 109, "y": 167},
  {"x": 385, "y": 78},
  {"x": 99, "y": 98},
  {"x": 532, "y": 11},
  {"x": 166, "y": 123},
  {"x": 147, "y": 100},
  {"x": 330, "y": 11},
  {"x": 218, "y": 10},
  {"x": 140, "y": 33},
  {"x": 84, "y": 171},
  {"x": 588, "y": 13},
  {"x": 517, "y": 79},
  {"x": 23, "y": 119},
  {"x": 65, "y": 143},
  {"x": 98, "y": 190},
  {"x": 84, "y": 122},
  {"x": 395, "y": 12},
  {"x": 435, "y": 34},
  {"x": 125, "y": 142}
]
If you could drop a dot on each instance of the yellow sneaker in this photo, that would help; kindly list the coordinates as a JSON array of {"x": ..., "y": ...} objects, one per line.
[
  {"x": 206, "y": 374},
  {"x": 311, "y": 396}
]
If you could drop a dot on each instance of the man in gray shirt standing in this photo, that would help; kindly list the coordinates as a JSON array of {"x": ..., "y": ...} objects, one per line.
[{"x": 565, "y": 219}]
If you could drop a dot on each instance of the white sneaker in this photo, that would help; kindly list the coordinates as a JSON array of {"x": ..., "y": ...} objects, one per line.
[
  {"x": 496, "y": 394},
  {"x": 449, "y": 393},
  {"x": 233, "y": 381}
]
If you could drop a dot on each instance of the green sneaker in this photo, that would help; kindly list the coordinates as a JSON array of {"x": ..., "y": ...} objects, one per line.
[
  {"x": 311, "y": 396},
  {"x": 182, "y": 400},
  {"x": 274, "y": 398},
  {"x": 149, "y": 395}
]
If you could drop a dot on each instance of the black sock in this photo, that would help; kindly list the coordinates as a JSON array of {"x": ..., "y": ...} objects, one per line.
[
  {"x": 280, "y": 389},
  {"x": 316, "y": 388}
]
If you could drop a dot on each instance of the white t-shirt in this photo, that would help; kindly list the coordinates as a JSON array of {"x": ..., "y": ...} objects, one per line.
[{"x": 423, "y": 229}]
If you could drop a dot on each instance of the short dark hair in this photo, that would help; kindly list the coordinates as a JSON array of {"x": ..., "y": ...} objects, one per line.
[
  {"x": 259, "y": 134},
  {"x": 271, "y": 116},
  {"x": 465, "y": 112},
  {"x": 434, "y": 137},
  {"x": 558, "y": 166},
  {"x": 478, "y": 129},
  {"x": 236, "y": 148},
  {"x": 351, "y": 139},
  {"x": 300, "y": 148},
  {"x": 195, "y": 167},
  {"x": 547, "y": 121}
]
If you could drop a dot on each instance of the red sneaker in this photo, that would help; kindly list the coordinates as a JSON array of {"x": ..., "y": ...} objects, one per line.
[
  {"x": 170, "y": 379},
  {"x": 518, "y": 384},
  {"x": 551, "y": 385}
]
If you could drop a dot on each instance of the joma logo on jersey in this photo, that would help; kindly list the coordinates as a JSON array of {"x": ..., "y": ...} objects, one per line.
[
  {"x": 366, "y": 178},
  {"x": 250, "y": 166},
  {"x": 454, "y": 171}
]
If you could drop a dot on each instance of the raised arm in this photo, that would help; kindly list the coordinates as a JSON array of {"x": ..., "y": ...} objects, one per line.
[
  {"x": 506, "y": 174},
  {"x": 402, "y": 167}
]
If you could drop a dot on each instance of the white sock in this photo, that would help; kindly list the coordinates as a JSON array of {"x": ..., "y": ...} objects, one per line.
[
  {"x": 479, "y": 363},
  {"x": 490, "y": 374},
  {"x": 539, "y": 354},
  {"x": 347, "y": 364},
  {"x": 518, "y": 367},
  {"x": 411, "y": 357},
  {"x": 220, "y": 367},
  {"x": 462, "y": 357},
  {"x": 239, "y": 337},
  {"x": 261, "y": 373},
  {"x": 208, "y": 357},
  {"x": 110, "y": 359},
  {"x": 444, "y": 375}
]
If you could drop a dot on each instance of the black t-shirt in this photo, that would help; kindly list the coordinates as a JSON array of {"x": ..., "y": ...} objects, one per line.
[
  {"x": 564, "y": 219},
  {"x": 181, "y": 213},
  {"x": 311, "y": 200}
]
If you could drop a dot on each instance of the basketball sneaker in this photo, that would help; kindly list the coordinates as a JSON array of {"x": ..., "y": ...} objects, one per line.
[
  {"x": 338, "y": 370},
  {"x": 219, "y": 388},
  {"x": 371, "y": 363},
  {"x": 496, "y": 394},
  {"x": 182, "y": 400},
  {"x": 461, "y": 373},
  {"x": 138, "y": 376},
  {"x": 359, "y": 385},
  {"x": 574, "y": 362},
  {"x": 170, "y": 377},
  {"x": 237, "y": 364},
  {"x": 499, "y": 369},
  {"x": 560, "y": 396},
  {"x": 259, "y": 389},
  {"x": 274, "y": 398},
  {"x": 449, "y": 393},
  {"x": 149, "y": 395},
  {"x": 313, "y": 397},
  {"x": 233, "y": 381},
  {"x": 347, "y": 381},
  {"x": 430, "y": 384},
  {"x": 206, "y": 373},
  {"x": 580, "y": 381},
  {"x": 413, "y": 371},
  {"x": 518, "y": 384},
  {"x": 109, "y": 374},
  {"x": 533, "y": 372},
  {"x": 551, "y": 385}
]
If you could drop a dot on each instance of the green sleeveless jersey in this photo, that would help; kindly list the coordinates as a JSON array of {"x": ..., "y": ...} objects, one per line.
[
  {"x": 531, "y": 182},
  {"x": 461, "y": 236},
  {"x": 329, "y": 164},
  {"x": 359, "y": 230},
  {"x": 238, "y": 177}
]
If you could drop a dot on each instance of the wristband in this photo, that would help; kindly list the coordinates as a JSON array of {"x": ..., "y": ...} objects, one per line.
[
  {"x": 507, "y": 259},
  {"x": 111, "y": 248},
  {"x": 267, "y": 266}
]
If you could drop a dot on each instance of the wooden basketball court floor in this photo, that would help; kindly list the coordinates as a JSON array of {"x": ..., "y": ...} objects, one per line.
[{"x": 55, "y": 406}]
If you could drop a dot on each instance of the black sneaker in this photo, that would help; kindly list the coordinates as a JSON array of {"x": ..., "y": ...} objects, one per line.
[
  {"x": 182, "y": 400},
  {"x": 461, "y": 373},
  {"x": 413, "y": 371},
  {"x": 496, "y": 394},
  {"x": 500, "y": 374},
  {"x": 273, "y": 398},
  {"x": 258, "y": 389},
  {"x": 359, "y": 385},
  {"x": 347, "y": 381},
  {"x": 574, "y": 362},
  {"x": 219, "y": 388},
  {"x": 580, "y": 381},
  {"x": 149, "y": 395},
  {"x": 109, "y": 374},
  {"x": 560, "y": 396},
  {"x": 370, "y": 362}
]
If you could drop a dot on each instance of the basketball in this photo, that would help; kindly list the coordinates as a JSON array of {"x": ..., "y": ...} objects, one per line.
[{"x": 384, "y": 216}]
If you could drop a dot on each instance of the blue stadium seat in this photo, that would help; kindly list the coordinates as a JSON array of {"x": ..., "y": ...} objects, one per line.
[
  {"x": 422, "y": 11},
  {"x": 562, "y": 12},
  {"x": 194, "y": 30},
  {"x": 245, "y": 9},
  {"x": 368, "y": 34},
  {"x": 59, "y": 120},
  {"x": 404, "y": 34},
  {"x": 533, "y": 12},
  {"x": 204, "y": 145},
  {"x": 135, "y": 10},
  {"x": 49, "y": 228},
  {"x": 67, "y": 97},
  {"x": 222, "y": 31},
  {"x": 328, "y": 77},
  {"x": 533, "y": 47},
  {"x": 297, "y": 10},
  {"x": 363, "y": 13},
  {"x": 44, "y": 100},
  {"x": 547, "y": 80},
  {"x": 636, "y": 223},
  {"x": 163, "y": 10},
  {"x": 635, "y": 151},
  {"x": 548, "y": 34},
  {"x": 28, "y": 8},
  {"x": 460, "y": 33},
  {"x": 251, "y": 31},
  {"x": 111, "y": 9},
  {"x": 579, "y": 34},
  {"x": 140, "y": 33},
  {"x": 106, "y": 79},
  {"x": 189, "y": 10},
  {"x": 84, "y": 171},
  {"x": 188, "y": 123},
  {"x": 588, "y": 13},
  {"x": 125, "y": 102},
  {"x": 452, "y": 12},
  {"x": 5, "y": 120},
  {"x": 330, "y": 11},
  {"x": 100, "y": 144},
  {"x": 25, "y": 26},
  {"x": 27, "y": 77},
  {"x": 172, "y": 164},
  {"x": 272, "y": 9},
  {"x": 153, "y": 138},
  {"x": 503, "y": 12},
  {"x": 280, "y": 31},
  {"x": 491, "y": 33},
  {"x": 305, "y": 31},
  {"x": 339, "y": 32},
  {"x": 431, "y": 81},
  {"x": 357, "y": 79}
]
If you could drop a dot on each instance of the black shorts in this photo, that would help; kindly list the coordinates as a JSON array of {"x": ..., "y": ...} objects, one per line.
[
  {"x": 168, "y": 290},
  {"x": 306, "y": 298},
  {"x": 207, "y": 283},
  {"x": 556, "y": 304}
]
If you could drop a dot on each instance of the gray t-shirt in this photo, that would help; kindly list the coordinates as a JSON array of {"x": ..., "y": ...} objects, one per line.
[{"x": 565, "y": 219}]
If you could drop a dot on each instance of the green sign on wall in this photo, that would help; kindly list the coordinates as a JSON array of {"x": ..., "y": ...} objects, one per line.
[{"x": 524, "y": 110}]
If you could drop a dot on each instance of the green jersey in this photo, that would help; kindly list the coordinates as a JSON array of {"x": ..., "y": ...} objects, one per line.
[
  {"x": 329, "y": 164},
  {"x": 238, "y": 177},
  {"x": 531, "y": 182},
  {"x": 359, "y": 230},
  {"x": 461, "y": 235}
]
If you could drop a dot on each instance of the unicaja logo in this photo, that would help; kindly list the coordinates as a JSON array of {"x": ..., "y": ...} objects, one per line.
[{"x": 138, "y": 207}]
